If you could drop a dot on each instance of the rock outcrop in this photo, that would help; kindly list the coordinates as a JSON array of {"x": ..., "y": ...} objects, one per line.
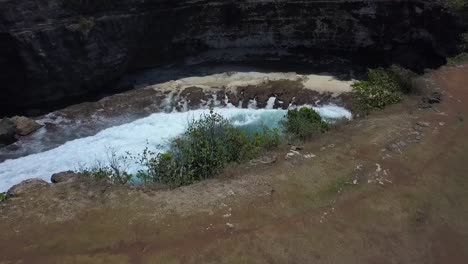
[
  {"x": 56, "y": 50},
  {"x": 66, "y": 176},
  {"x": 24, "y": 125},
  {"x": 16, "y": 126},
  {"x": 26, "y": 186}
]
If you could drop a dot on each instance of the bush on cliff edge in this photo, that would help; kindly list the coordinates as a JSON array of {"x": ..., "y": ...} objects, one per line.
[{"x": 382, "y": 87}]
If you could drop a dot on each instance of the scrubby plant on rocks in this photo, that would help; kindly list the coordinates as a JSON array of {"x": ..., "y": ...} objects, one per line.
[{"x": 304, "y": 123}]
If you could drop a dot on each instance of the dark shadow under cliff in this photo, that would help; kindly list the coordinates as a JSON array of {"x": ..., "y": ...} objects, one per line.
[{"x": 66, "y": 51}]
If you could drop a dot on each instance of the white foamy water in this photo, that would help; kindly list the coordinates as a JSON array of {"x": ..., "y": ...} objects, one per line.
[{"x": 156, "y": 129}]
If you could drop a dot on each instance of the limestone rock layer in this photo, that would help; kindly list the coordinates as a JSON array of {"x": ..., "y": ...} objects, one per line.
[{"x": 57, "y": 50}]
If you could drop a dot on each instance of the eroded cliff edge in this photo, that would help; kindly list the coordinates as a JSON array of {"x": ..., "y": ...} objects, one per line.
[{"x": 58, "y": 50}]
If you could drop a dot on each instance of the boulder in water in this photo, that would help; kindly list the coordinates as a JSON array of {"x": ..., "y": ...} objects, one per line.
[{"x": 24, "y": 125}]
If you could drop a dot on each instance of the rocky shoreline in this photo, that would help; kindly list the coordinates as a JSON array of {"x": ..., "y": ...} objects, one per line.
[
  {"x": 236, "y": 89},
  {"x": 32, "y": 185}
]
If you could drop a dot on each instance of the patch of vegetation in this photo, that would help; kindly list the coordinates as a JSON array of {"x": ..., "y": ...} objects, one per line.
[
  {"x": 3, "y": 197},
  {"x": 115, "y": 171},
  {"x": 383, "y": 87},
  {"x": 304, "y": 123},
  {"x": 203, "y": 151},
  {"x": 106, "y": 173}
]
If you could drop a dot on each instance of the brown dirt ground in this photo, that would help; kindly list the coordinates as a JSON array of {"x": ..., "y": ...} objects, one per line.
[{"x": 382, "y": 189}]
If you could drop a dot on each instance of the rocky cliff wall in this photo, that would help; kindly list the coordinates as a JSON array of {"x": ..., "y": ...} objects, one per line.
[{"x": 54, "y": 50}]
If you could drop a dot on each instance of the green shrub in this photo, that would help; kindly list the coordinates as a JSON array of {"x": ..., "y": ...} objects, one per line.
[
  {"x": 203, "y": 151},
  {"x": 3, "y": 197},
  {"x": 207, "y": 146},
  {"x": 304, "y": 123},
  {"x": 383, "y": 87},
  {"x": 164, "y": 168},
  {"x": 267, "y": 139}
]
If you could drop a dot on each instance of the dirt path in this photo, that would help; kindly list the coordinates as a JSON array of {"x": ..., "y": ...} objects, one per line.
[{"x": 391, "y": 188}]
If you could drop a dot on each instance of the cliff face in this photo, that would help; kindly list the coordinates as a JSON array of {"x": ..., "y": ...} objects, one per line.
[{"x": 59, "y": 49}]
